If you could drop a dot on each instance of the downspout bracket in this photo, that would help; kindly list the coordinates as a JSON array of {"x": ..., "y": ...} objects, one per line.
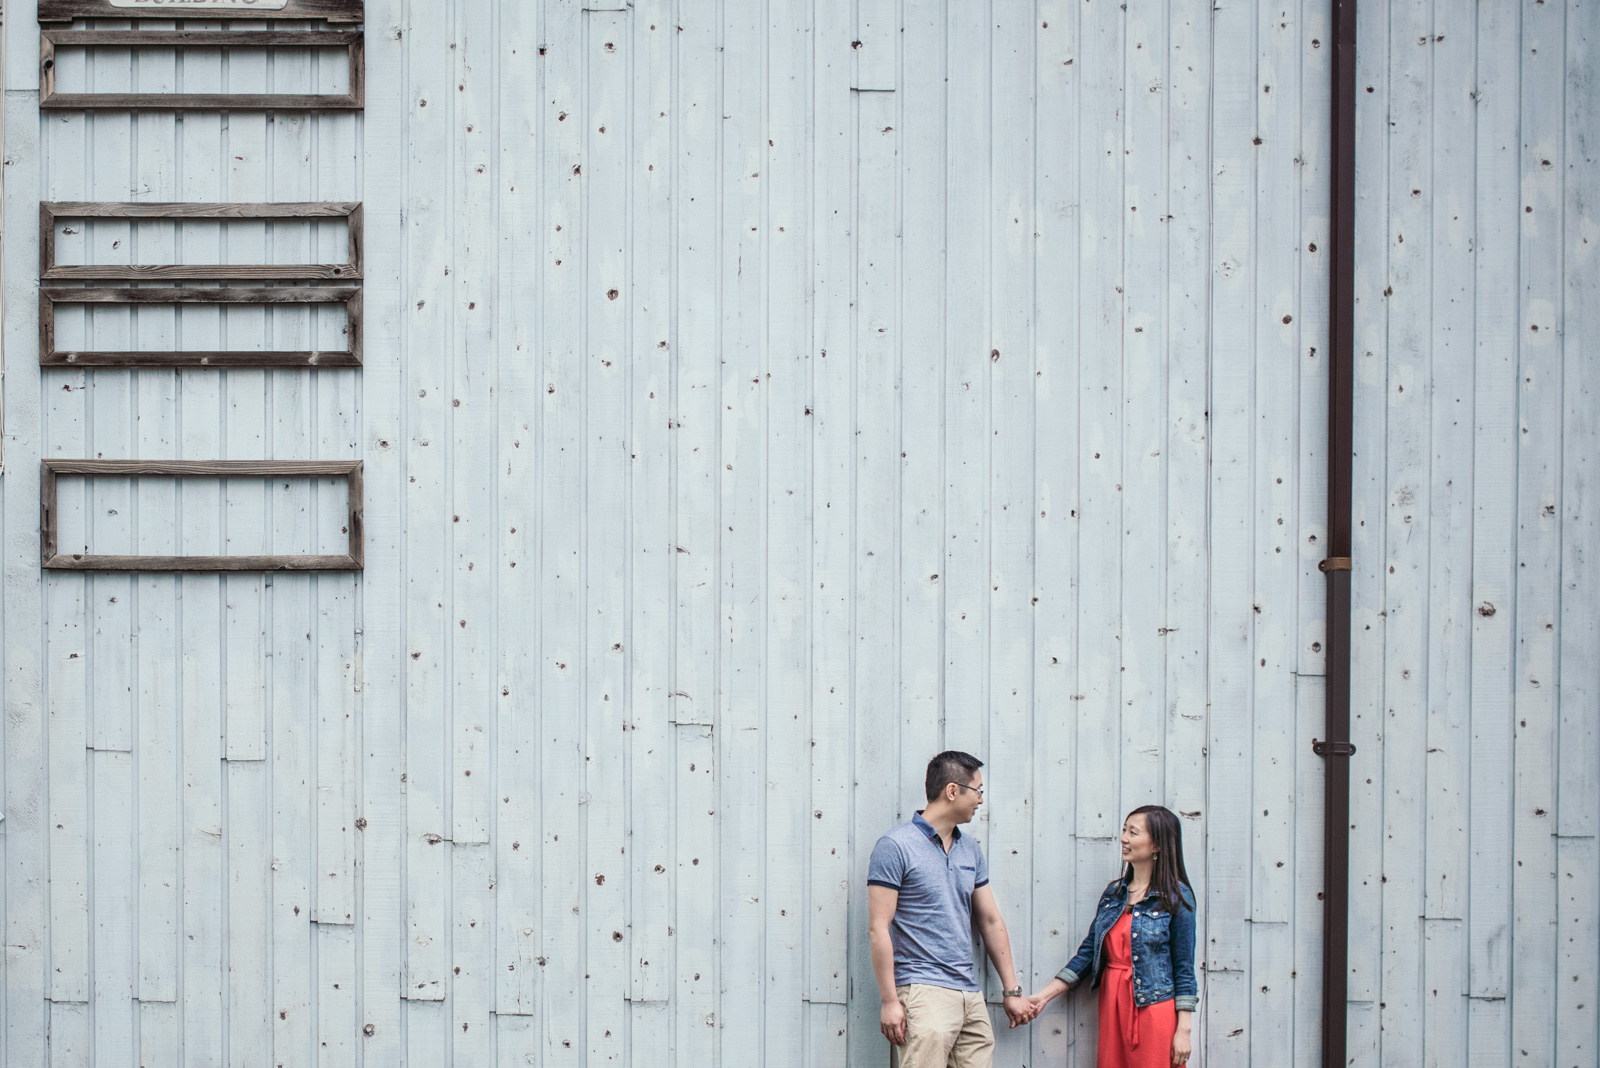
[
  {"x": 1335, "y": 563},
  {"x": 1324, "y": 749}
]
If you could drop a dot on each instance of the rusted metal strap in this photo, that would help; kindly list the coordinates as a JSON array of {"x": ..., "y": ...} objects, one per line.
[{"x": 1334, "y": 563}]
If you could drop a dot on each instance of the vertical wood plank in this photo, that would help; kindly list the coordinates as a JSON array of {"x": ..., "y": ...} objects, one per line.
[
  {"x": 922, "y": 309},
  {"x": 877, "y": 752},
  {"x": 471, "y": 998},
  {"x": 967, "y": 386},
  {"x": 787, "y": 503},
  {"x": 1232, "y": 661},
  {"x": 1187, "y": 444},
  {"x": 1059, "y": 912},
  {"x": 338, "y": 1032},
  {"x": 1369, "y": 506},
  {"x": 876, "y": 44},
  {"x": 1407, "y": 521},
  {"x": 741, "y": 565},
  {"x": 516, "y": 828},
  {"x": 22, "y": 655},
  {"x": 832, "y": 874},
  {"x": 471, "y": 415},
  {"x": 382, "y": 652},
  {"x": 155, "y": 610},
  {"x": 200, "y": 605},
  {"x": 649, "y": 640},
  {"x": 608, "y": 56},
  {"x": 1537, "y": 507},
  {"x": 1449, "y": 651},
  {"x": 1578, "y": 740},
  {"x": 1009, "y": 804},
  {"x": 562, "y": 706},
  {"x": 293, "y": 627},
  {"x": 696, "y": 409},
  {"x": 116, "y": 898},
  {"x": 429, "y": 133}
]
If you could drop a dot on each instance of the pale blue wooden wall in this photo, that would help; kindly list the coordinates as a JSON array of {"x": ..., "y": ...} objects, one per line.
[{"x": 760, "y": 397}]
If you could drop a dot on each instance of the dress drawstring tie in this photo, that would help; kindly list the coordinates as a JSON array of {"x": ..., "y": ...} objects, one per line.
[{"x": 1131, "y": 1006}]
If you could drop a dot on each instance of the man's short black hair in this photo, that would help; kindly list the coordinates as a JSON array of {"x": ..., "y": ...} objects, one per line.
[{"x": 950, "y": 766}]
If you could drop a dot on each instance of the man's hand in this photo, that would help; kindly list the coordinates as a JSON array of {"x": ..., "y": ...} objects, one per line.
[
  {"x": 892, "y": 1022},
  {"x": 1019, "y": 1010}
]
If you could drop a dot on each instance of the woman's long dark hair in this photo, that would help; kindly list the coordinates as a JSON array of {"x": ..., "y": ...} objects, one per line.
[{"x": 1166, "y": 835}]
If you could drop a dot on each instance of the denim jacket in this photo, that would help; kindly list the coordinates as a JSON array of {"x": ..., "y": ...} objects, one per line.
[{"x": 1163, "y": 948}]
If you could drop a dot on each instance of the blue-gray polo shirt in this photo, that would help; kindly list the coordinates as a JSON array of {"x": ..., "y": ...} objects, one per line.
[{"x": 932, "y": 927}]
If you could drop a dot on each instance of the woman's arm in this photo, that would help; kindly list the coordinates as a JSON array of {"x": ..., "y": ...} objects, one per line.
[
  {"x": 1181, "y": 943},
  {"x": 1045, "y": 995},
  {"x": 1084, "y": 958}
]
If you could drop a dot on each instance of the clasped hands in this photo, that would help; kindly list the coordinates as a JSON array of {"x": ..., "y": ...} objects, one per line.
[{"x": 1024, "y": 1008}]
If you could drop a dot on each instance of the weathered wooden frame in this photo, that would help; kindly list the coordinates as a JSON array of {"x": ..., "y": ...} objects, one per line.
[
  {"x": 51, "y": 39},
  {"x": 331, "y": 10},
  {"x": 349, "y": 296},
  {"x": 54, "y": 560},
  {"x": 50, "y": 270}
]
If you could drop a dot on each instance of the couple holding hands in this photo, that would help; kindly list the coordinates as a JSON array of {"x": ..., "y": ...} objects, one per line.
[{"x": 928, "y": 887}]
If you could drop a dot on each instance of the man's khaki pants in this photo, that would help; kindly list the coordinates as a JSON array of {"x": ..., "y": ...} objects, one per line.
[{"x": 944, "y": 1029}]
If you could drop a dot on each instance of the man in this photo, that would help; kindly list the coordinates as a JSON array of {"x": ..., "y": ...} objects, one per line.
[{"x": 927, "y": 887}]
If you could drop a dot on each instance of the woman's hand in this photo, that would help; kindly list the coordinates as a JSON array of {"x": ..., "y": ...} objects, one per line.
[{"x": 1180, "y": 1046}]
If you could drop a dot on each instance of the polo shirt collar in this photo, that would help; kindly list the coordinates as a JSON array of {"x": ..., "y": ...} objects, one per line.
[{"x": 932, "y": 835}]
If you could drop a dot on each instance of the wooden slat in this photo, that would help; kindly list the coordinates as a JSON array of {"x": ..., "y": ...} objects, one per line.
[
  {"x": 212, "y": 469},
  {"x": 50, "y": 213},
  {"x": 332, "y": 10},
  {"x": 52, "y": 40},
  {"x": 188, "y": 356}
]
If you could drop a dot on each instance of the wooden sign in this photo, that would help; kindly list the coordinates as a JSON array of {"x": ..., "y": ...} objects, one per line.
[
  {"x": 349, "y": 296},
  {"x": 52, "y": 470},
  {"x": 50, "y": 270},
  {"x": 350, "y": 40},
  {"x": 331, "y": 10}
]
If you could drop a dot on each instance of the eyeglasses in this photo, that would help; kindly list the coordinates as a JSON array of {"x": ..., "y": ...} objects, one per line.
[{"x": 975, "y": 789}]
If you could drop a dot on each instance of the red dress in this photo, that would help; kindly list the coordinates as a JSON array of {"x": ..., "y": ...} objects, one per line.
[{"x": 1131, "y": 1037}]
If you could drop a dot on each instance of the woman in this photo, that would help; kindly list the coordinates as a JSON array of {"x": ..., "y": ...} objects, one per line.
[{"x": 1140, "y": 950}]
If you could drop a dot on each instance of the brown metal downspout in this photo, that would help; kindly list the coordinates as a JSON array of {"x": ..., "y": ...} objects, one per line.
[{"x": 1336, "y": 747}]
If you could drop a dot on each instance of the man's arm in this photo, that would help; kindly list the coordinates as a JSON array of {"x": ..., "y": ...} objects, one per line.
[
  {"x": 881, "y": 903},
  {"x": 997, "y": 944}
]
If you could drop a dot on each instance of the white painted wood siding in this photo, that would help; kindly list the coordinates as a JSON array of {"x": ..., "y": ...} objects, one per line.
[{"x": 759, "y": 398}]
